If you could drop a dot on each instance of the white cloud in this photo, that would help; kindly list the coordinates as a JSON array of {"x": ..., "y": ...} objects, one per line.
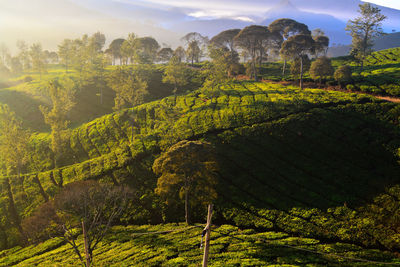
[{"x": 387, "y": 3}]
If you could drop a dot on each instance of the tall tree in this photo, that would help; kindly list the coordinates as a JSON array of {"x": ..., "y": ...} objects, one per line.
[
  {"x": 16, "y": 65},
  {"x": 195, "y": 46},
  {"x": 4, "y": 53},
  {"x": 224, "y": 63},
  {"x": 176, "y": 73},
  {"x": 225, "y": 39},
  {"x": 253, "y": 40},
  {"x": 364, "y": 29},
  {"x": 128, "y": 48},
  {"x": 62, "y": 95},
  {"x": 180, "y": 53},
  {"x": 14, "y": 153},
  {"x": 80, "y": 55},
  {"x": 193, "y": 52},
  {"x": 115, "y": 49},
  {"x": 187, "y": 169},
  {"x": 287, "y": 28},
  {"x": 296, "y": 47},
  {"x": 321, "y": 45},
  {"x": 299, "y": 64},
  {"x": 196, "y": 37},
  {"x": 165, "y": 54},
  {"x": 96, "y": 43},
  {"x": 65, "y": 52},
  {"x": 24, "y": 54},
  {"x": 129, "y": 86},
  {"x": 38, "y": 58},
  {"x": 147, "y": 50}
]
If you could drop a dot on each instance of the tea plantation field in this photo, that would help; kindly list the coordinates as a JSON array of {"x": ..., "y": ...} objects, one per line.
[
  {"x": 230, "y": 246},
  {"x": 311, "y": 168}
]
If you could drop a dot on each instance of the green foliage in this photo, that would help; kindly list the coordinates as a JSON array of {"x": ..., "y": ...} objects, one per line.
[
  {"x": 62, "y": 94},
  {"x": 38, "y": 58},
  {"x": 321, "y": 68},
  {"x": 364, "y": 29},
  {"x": 129, "y": 86},
  {"x": 295, "y": 68},
  {"x": 278, "y": 162},
  {"x": 189, "y": 169},
  {"x": 232, "y": 246},
  {"x": 343, "y": 74},
  {"x": 176, "y": 73}
]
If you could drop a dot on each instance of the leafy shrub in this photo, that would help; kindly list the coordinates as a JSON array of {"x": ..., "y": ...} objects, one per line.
[
  {"x": 350, "y": 87},
  {"x": 28, "y": 79},
  {"x": 343, "y": 75}
]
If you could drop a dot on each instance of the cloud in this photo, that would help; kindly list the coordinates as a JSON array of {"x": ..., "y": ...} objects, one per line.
[{"x": 50, "y": 21}]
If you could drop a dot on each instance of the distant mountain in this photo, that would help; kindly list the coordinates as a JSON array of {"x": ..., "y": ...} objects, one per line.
[
  {"x": 313, "y": 13},
  {"x": 332, "y": 26},
  {"x": 209, "y": 27},
  {"x": 388, "y": 41},
  {"x": 384, "y": 42}
]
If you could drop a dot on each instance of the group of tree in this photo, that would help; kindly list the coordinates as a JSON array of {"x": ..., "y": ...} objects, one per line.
[
  {"x": 292, "y": 39},
  {"x": 28, "y": 58}
]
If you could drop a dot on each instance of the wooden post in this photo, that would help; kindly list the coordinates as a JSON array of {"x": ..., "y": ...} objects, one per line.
[
  {"x": 208, "y": 232},
  {"x": 86, "y": 245}
]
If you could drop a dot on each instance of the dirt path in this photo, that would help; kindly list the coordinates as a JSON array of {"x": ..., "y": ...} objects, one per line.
[{"x": 390, "y": 99}]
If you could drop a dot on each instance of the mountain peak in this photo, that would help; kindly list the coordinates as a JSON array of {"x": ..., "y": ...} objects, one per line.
[{"x": 284, "y": 6}]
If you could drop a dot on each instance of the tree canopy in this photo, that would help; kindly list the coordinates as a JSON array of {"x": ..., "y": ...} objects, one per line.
[
  {"x": 187, "y": 169},
  {"x": 296, "y": 47},
  {"x": 364, "y": 29}
]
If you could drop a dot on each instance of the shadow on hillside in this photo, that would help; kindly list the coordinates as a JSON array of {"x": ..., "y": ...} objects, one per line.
[
  {"x": 325, "y": 158},
  {"x": 26, "y": 108}
]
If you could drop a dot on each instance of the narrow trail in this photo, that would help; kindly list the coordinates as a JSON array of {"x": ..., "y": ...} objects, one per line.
[{"x": 388, "y": 98}]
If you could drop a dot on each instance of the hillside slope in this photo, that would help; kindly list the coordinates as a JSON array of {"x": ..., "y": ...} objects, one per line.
[
  {"x": 26, "y": 93},
  {"x": 287, "y": 156},
  {"x": 230, "y": 246}
]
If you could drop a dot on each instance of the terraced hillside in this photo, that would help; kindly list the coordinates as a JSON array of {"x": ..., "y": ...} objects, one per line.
[
  {"x": 381, "y": 74},
  {"x": 301, "y": 162},
  {"x": 173, "y": 245},
  {"x": 387, "y": 56},
  {"x": 24, "y": 94}
]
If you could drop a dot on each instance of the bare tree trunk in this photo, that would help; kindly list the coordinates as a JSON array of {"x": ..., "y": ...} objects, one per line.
[
  {"x": 208, "y": 233},
  {"x": 41, "y": 190},
  {"x": 12, "y": 208},
  {"x": 187, "y": 218},
  {"x": 284, "y": 68},
  {"x": 21, "y": 181},
  {"x": 255, "y": 70},
  {"x": 301, "y": 73},
  {"x": 52, "y": 179},
  {"x": 87, "y": 255}
]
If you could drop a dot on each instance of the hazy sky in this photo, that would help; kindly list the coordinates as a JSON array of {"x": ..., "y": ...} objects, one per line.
[{"x": 50, "y": 21}]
